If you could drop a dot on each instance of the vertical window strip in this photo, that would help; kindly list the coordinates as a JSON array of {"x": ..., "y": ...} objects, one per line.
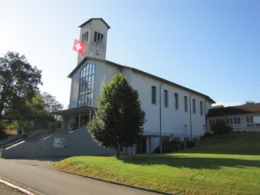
[{"x": 86, "y": 85}]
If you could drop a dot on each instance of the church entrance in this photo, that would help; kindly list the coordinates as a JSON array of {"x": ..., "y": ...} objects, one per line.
[
  {"x": 83, "y": 121},
  {"x": 141, "y": 145}
]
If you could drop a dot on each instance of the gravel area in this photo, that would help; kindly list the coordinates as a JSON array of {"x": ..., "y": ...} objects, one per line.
[{"x": 5, "y": 190}]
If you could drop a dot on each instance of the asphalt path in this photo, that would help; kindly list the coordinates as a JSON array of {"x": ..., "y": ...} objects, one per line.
[{"x": 38, "y": 175}]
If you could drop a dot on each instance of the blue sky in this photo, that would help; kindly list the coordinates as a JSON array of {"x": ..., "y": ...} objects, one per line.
[{"x": 209, "y": 46}]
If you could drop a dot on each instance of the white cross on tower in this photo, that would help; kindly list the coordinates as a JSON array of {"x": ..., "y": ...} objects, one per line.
[{"x": 78, "y": 46}]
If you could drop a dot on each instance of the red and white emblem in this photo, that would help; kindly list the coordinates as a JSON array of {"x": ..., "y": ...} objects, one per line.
[{"x": 78, "y": 46}]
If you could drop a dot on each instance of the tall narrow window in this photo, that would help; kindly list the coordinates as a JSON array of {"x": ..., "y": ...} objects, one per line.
[
  {"x": 176, "y": 99},
  {"x": 85, "y": 37},
  {"x": 95, "y": 36},
  {"x": 98, "y": 37},
  {"x": 102, "y": 39},
  {"x": 153, "y": 95},
  {"x": 201, "y": 108},
  {"x": 194, "y": 105},
  {"x": 86, "y": 85},
  {"x": 185, "y": 103},
  {"x": 165, "y": 98}
]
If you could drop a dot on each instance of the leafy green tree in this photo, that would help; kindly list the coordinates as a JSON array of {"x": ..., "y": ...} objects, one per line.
[
  {"x": 220, "y": 127},
  {"x": 36, "y": 113},
  {"x": 119, "y": 119},
  {"x": 51, "y": 104},
  {"x": 18, "y": 82}
]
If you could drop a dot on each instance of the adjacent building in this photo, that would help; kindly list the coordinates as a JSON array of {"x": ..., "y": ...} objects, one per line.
[
  {"x": 244, "y": 117},
  {"x": 178, "y": 112}
]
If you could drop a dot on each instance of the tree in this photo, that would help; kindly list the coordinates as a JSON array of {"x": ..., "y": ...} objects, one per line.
[
  {"x": 250, "y": 102},
  {"x": 51, "y": 104},
  {"x": 18, "y": 82},
  {"x": 119, "y": 119},
  {"x": 220, "y": 127},
  {"x": 36, "y": 113}
]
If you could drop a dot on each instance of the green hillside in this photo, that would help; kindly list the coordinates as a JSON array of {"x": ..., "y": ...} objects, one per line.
[{"x": 221, "y": 165}]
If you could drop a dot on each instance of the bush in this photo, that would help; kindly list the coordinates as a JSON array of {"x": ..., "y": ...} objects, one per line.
[
  {"x": 221, "y": 127},
  {"x": 12, "y": 126},
  {"x": 206, "y": 135},
  {"x": 170, "y": 146},
  {"x": 191, "y": 144}
]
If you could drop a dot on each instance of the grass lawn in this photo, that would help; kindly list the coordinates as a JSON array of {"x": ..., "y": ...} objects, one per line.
[{"x": 231, "y": 166}]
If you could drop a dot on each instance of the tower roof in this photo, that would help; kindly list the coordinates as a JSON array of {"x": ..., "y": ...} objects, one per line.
[{"x": 95, "y": 19}]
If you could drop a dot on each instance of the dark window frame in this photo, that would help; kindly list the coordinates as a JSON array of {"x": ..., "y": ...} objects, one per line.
[
  {"x": 194, "y": 106},
  {"x": 201, "y": 108},
  {"x": 154, "y": 91},
  {"x": 176, "y": 101},
  {"x": 166, "y": 98},
  {"x": 98, "y": 37},
  {"x": 185, "y": 103}
]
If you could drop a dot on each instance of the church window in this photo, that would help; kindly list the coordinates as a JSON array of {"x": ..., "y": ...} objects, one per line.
[{"x": 86, "y": 85}]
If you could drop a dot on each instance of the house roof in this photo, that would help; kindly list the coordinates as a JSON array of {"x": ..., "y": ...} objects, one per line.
[
  {"x": 141, "y": 72},
  {"x": 234, "y": 110},
  {"x": 95, "y": 19}
]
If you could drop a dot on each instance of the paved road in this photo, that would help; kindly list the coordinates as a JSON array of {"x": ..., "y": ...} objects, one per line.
[{"x": 39, "y": 176}]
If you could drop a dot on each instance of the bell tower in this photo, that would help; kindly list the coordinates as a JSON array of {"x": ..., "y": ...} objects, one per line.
[{"x": 94, "y": 35}]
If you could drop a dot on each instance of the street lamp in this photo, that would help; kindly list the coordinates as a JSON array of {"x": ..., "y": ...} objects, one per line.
[{"x": 185, "y": 127}]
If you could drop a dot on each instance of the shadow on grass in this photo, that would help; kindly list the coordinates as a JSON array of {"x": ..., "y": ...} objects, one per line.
[
  {"x": 223, "y": 149},
  {"x": 189, "y": 162}
]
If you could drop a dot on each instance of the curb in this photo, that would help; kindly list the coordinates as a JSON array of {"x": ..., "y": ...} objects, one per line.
[
  {"x": 18, "y": 187},
  {"x": 116, "y": 183}
]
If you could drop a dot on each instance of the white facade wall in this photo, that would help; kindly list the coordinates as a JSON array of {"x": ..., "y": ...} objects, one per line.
[
  {"x": 173, "y": 120},
  {"x": 74, "y": 89},
  {"x": 103, "y": 74}
]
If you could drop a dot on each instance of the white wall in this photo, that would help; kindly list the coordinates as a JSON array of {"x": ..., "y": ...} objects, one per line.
[
  {"x": 74, "y": 89},
  {"x": 103, "y": 74},
  {"x": 173, "y": 120}
]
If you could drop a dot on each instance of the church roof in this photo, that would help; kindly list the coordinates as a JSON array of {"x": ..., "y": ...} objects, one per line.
[
  {"x": 141, "y": 72},
  {"x": 95, "y": 19}
]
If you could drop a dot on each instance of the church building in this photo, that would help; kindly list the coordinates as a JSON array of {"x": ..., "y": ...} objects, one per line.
[{"x": 174, "y": 110}]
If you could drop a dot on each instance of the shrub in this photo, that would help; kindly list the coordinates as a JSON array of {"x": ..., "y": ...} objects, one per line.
[
  {"x": 191, "y": 144},
  {"x": 170, "y": 146},
  {"x": 221, "y": 127},
  {"x": 12, "y": 126},
  {"x": 206, "y": 135}
]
